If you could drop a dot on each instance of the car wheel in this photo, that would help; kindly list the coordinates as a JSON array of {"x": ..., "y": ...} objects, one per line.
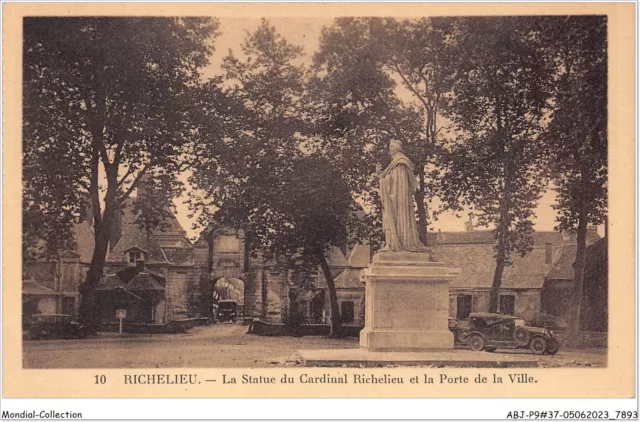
[
  {"x": 490, "y": 349},
  {"x": 538, "y": 345},
  {"x": 476, "y": 342},
  {"x": 521, "y": 336},
  {"x": 553, "y": 346},
  {"x": 463, "y": 336}
]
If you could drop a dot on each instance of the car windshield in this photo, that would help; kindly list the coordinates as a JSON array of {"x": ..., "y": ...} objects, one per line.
[
  {"x": 519, "y": 322},
  {"x": 227, "y": 306}
]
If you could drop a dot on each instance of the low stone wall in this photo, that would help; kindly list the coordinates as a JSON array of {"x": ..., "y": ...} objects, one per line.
[
  {"x": 588, "y": 339},
  {"x": 172, "y": 327},
  {"x": 593, "y": 339},
  {"x": 263, "y": 328}
]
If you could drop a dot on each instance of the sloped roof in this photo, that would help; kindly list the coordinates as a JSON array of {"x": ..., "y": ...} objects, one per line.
[
  {"x": 146, "y": 281},
  {"x": 132, "y": 279},
  {"x": 133, "y": 236},
  {"x": 592, "y": 236},
  {"x": 349, "y": 278},
  {"x": 336, "y": 258},
  {"x": 477, "y": 265},
  {"x": 563, "y": 266},
  {"x": 487, "y": 237},
  {"x": 30, "y": 287},
  {"x": 178, "y": 256},
  {"x": 465, "y": 238},
  {"x": 110, "y": 282},
  {"x": 359, "y": 256}
]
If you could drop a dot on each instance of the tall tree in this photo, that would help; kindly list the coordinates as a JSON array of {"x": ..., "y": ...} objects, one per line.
[
  {"x": 354, "y": 110},
  {"x": 312, "y": 213},
  {"x": 418, "y": 53},
  {"x": 239, "y": 163},
  {"x": 352, "y": 99},
  {"x": 577, "y": 135},
  {"x": 106, "y": 102},
  {"x": 495, "y": 165},
  {"x": 369, "y": 64}
]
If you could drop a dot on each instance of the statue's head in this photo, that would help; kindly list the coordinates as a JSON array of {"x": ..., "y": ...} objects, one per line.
[{"x": 395, "y": 146}]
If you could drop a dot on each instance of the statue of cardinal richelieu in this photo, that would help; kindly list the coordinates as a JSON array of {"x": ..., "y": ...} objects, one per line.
[{"x": 397, "y": 187}]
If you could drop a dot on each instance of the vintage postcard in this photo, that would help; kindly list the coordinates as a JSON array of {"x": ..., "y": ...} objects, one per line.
[{"x": 321, "y": 200}]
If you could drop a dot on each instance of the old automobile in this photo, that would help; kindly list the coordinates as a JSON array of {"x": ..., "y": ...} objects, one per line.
[
  {"x": 460, "y": 330},
  {"x": 488, "y": 331},
  {"x": 47, "y": 326},
  {"x": 227, "y": 310}
]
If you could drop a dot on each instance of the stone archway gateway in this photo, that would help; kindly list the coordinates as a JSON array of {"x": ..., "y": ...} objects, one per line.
[
  {"x": 230, "y": 289},
  {"x": 221, "y": 255}
]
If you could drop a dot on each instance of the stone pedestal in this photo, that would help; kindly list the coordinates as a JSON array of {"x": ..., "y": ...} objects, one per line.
[{"x": 407, "y": 303}]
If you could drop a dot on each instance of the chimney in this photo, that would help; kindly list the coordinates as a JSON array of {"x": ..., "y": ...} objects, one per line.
[
  {"x": 548, "y": 253},
  {"x": 468, "y": 226},
  {"x": 140, "y": 265}
]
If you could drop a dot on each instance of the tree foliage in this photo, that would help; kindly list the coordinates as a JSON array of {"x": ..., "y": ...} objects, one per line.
[
  {"x": 386, "y": 79},
  {"x": 577, "y": 134},
  {"x": 105, "y": 105},
  {"x": 267, "y": 176},
  {"x": 240, "y": 167},
  {"x": 495, "y": 163},
  {"x": 355, "y": 109}
]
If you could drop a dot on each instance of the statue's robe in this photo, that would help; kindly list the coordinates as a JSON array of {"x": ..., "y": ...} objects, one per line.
[{"x": 397, "y": 187}]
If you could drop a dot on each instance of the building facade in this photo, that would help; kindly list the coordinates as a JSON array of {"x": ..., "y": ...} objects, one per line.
[
  {"x": 528, "y": 287},
  {"x": 152, "y": 274},
  {"x": 50, "y": 283}
]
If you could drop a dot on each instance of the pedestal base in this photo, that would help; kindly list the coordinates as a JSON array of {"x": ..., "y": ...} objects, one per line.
[
  {"x": 405, "y": 341},
  {"x": 407, "y": 303}
]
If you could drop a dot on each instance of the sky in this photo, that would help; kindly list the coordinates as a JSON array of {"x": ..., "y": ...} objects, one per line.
[{"x": 306, "y": 33}]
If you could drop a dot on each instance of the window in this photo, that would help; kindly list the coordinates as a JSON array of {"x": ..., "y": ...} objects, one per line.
[
  {"x": 464, "y": 306},
  {"x": 135, "y": 256},
  {"x": 347, "y": 312},
  {"x": 507, "y": 304}
]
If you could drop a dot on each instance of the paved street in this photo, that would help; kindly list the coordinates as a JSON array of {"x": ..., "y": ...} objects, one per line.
[{"x": 219, "y": 345}]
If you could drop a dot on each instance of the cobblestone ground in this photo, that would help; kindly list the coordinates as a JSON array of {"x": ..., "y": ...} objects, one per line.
[{"x": 219, "y": 345}]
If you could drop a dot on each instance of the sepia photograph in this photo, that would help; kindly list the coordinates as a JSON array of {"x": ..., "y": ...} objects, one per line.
[{"x": 324, "y": 192}]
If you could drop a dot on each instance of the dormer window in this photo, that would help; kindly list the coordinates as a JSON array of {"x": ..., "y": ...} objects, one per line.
[{"x": 135, "y": 256}]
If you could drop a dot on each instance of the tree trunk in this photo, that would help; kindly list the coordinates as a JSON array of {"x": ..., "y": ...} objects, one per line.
[
  {"x": 264, "y": 295},
  {"x": 422, "y": 208},
  {"x": 102, "y": 224},
  {"x": 503, "y": 223},
  {"x": 494, "y": 292},
  {"x": 88, "y": 313},
  {"x": 501, "y": 253},
  {"x": 573, "y": 329},
  {"x": 336, "y": 321}
]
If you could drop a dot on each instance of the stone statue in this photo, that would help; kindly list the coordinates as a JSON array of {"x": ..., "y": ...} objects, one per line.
[{"x": 397, "y": 187}]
